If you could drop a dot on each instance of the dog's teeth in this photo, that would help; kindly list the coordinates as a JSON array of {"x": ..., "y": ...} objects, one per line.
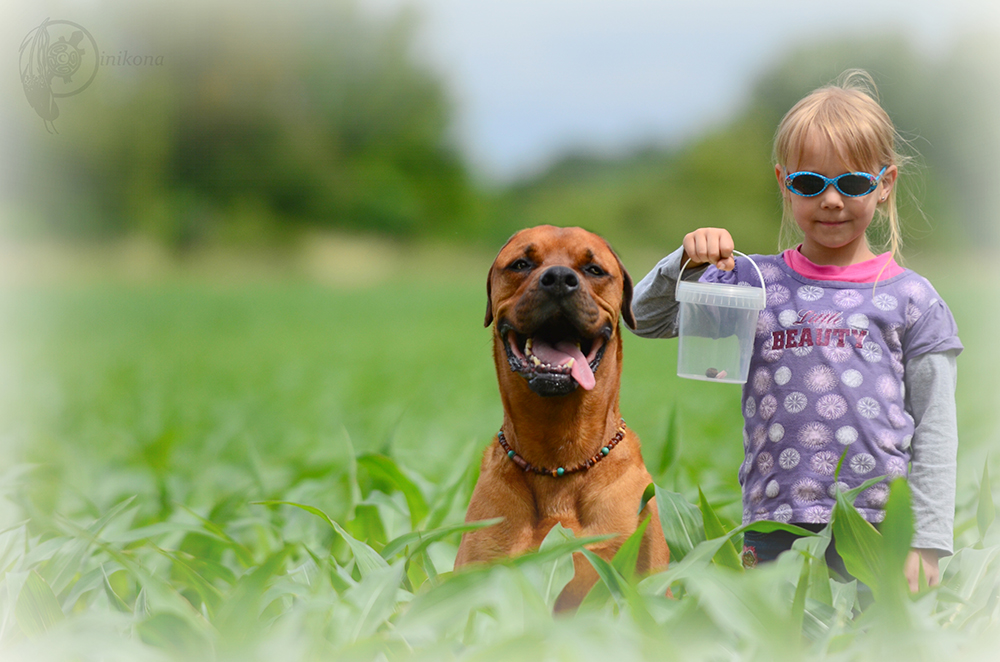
[
  {"x": 527, "y": 346},
  {"x": 534, "y": 359},
  {"x": 569, "y": 364}
]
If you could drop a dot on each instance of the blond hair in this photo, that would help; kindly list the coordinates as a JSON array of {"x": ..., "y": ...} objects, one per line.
[{"x": 848, "y": 114}]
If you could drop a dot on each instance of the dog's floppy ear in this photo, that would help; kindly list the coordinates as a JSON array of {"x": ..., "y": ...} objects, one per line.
[
  {"x": 489, "y": 284},
  {"x": 489, "y": 299},
  {"x": 627, "y": 314}
]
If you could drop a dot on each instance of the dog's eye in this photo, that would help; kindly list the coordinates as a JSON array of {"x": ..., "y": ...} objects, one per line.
[
  {"x": 595, "y": 270},
  {"x": 519, "y": 264}
]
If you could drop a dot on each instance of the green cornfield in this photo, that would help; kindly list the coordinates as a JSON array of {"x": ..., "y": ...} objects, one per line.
[{"x": 277, "y": 470}]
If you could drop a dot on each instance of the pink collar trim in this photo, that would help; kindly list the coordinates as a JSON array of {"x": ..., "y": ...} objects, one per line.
[{"x": 876, "y": 269}]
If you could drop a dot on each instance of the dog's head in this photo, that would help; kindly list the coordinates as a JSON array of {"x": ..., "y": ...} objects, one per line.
[{"x": 555, "y": 295}]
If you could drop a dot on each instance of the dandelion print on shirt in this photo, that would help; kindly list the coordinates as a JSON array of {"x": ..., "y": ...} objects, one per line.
[
  {"x": 820, "y": 379},
  {"x": 827, "y": 377},
  {"x": 810, "y": 293}
]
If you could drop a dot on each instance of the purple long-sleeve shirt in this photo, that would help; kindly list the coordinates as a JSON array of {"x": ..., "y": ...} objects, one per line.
[{"x": 834, "y": 370}]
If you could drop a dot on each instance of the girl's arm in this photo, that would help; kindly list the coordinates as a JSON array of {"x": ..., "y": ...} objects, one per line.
[
  {"x": 930, "y": 398},
  {"x": 653, "y": 302}
]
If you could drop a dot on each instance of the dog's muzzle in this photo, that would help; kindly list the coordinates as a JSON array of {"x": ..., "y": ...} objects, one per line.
[{"x": 555, "y": 358}]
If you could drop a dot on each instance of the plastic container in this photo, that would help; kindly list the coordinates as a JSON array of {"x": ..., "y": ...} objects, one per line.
[{"x": 716, "y": 328}]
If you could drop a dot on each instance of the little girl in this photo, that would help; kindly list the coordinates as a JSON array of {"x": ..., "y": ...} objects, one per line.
[{"x": 852, "y": 351}]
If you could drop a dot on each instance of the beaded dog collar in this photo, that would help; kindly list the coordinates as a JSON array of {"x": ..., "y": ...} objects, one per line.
[{"x": 562, "y": 471}]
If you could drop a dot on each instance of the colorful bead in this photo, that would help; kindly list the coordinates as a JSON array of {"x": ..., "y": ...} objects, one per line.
[{"x": 560, "y": 471}]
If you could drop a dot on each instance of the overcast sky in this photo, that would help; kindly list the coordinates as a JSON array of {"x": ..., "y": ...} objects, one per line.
[{"x": 532, "y": 78}]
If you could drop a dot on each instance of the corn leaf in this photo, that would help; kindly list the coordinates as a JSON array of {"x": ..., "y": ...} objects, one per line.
[
  {"x": 624, "y": 594},
  {"x": 375, "y": 598},
  {"x": 112, "y": 595},
  {"x": 897, "y": 529},
  {"x": 858, "y": 543},
  {"x": 556, "y": 550},
  {"x": 627, "y": 556},
  {"x": 671, "y": 444},
  {"x": 417, "y": 541},
  {"x": 165, "y": 596},
  {"x": 68, "y": 564},
  {"x": 986, "y": 510},
  {"x": 558, "y": 571},
  {"x": 814, "y": 547},
  {"x": 799, "y": 601},
  {"x": 623, "y": 562},
  {"x": 727, "y": 555},
  {"x": 383, "y": 467},
  {"x": 702, "y": 555},
  {"x": 648, "y": 495},
  {"x": 368, "y": 559},
  {"x": 239, "y": 616},
  {"x": 682, "y": 523},
  {"x": 12, "y": 544},
  {"x": 37, "y": 608},
  {"x": 449, "y": 499}
]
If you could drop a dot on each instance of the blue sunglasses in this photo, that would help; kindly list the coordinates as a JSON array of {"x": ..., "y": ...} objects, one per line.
[{"x": 851, "y": 184}]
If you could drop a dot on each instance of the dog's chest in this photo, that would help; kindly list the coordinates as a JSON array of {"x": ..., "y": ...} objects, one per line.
[{"x": 557, "y": 507}]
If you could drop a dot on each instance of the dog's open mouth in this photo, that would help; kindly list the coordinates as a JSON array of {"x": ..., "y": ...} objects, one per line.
[{"x": 556, "y": 357}]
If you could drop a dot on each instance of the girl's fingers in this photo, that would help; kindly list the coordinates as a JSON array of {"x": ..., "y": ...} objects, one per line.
[
  {"x": 694, "y": 245},
  {"x": 726, "y": 247},
  {"x": 697, "y": 245},
  {"x": 701, "y": 247},
  {"x": 712, "y": 245},
  {"x": 690, "y": 250}
]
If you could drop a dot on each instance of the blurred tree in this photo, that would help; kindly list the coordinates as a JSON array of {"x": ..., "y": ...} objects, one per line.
[
  {"x": 266, "y": 117},
  {"x": 649, "y": 199},
  {"x": 943, "y": 105},
  {"x": 260, "y": 118},
  {"x": 963, "y": 132}
]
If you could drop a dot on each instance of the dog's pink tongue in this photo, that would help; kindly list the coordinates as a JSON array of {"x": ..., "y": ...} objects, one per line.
[{"x": 560, "y": 355}]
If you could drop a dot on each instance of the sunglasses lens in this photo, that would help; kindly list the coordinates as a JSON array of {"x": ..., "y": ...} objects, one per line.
[
  {"x": 806, "y": 184},
  {"x": 855, "y": 185}
]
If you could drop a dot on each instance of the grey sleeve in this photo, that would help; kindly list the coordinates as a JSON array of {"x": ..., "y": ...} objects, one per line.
[
  {"x": 653, "y": 302},
  {"x": 930, "y": 398}
]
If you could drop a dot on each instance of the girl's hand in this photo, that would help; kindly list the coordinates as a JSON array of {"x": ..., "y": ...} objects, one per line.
[
  {"x": 928, "y": 558},
  {"x": 712, "y": 245}
]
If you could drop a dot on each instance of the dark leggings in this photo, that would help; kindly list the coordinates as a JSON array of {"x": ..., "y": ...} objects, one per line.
[{"x": 763, "y": 547}]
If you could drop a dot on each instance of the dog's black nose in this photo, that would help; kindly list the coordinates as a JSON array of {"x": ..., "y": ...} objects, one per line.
[{"x": 559, "y": 281}]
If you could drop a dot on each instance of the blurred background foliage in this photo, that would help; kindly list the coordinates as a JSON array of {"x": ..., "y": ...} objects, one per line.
[{"x": 251, "y": 134}]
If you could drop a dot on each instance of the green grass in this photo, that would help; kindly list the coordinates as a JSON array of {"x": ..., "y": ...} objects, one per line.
[{"x": 148, "y": 432}]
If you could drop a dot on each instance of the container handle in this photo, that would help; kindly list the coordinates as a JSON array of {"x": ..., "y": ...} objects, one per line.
[{"x": 759, "y": 274}]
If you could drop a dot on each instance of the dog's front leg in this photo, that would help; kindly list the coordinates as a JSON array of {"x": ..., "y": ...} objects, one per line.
[
  {"x": 514, "y": 535},
  {"x": 584, "y": 576}
]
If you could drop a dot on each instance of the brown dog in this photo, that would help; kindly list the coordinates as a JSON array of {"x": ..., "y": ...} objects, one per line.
[{"x": 564, "y": 454}]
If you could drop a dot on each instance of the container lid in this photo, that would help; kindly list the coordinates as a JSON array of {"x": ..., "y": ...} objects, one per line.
[{"x": 719, "y": 294}]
